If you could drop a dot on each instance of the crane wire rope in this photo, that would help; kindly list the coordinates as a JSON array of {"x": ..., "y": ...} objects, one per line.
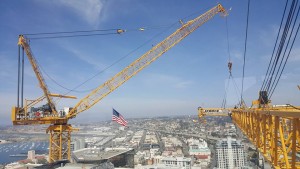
[
  {"x": 236, "y": 87},
  {"x": 276, "y": 80},
  {"x": 270, "y": 82},
  {"x": 280, "y": 47},
  {"x": 68, "y": 34},
  {"x": 122, "y": 58},
  {"x": 228, "y": 45},
  {"x": 230, "y": 78},
  {"x": 140, "y": 29},
  {"x": 245, "y": 51},
  {"x": 224, "y": 102},
  {"x": 272, "y": 56},
  {"x": 276, "y": 83},
  {"x": 106, "y": 68}
]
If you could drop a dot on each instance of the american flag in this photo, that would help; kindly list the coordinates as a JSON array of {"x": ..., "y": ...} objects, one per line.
[{"x": 116, "y": 116}]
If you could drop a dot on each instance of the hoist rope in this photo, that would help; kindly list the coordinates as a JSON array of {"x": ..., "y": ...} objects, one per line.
[
  {"x": 245, "y": 51},
  {"x": 278, "y": 61}
]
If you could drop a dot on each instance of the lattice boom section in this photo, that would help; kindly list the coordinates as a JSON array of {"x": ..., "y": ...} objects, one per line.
[
  {"x": 23, "y": 42},
  {"x": 142, "y": 62},
  {"x": 277, "y": 136}
]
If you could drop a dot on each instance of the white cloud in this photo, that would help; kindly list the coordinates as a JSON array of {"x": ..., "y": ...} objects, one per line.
[
  {"x": 237, "y": 54},
  {"x": 183, "y": 84},
  {"x": 168, "y": 80},
  {"x": 92, "y": 60},
  {"x": 89, "y": 10},
  {"x": 87, "y": 59}
]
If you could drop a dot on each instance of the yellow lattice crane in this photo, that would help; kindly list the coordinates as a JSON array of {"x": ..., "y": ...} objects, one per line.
[
  {"x": 273, "y": 129},
  {"x": 202, "y": 112},
  {"x": 59, "y": 129}
]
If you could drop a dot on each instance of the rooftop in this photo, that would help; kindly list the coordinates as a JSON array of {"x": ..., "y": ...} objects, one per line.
[{"x": 95, "y": 154}]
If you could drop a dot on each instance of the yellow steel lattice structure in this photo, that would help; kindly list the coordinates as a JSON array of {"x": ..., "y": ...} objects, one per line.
[
  {"x": 139, "y": 64},
  {"x": 203, "y": 112},
  {"x": 59, "y": 142},
  {"x": 23, "y": 42},
  {"x": 275, "y": 131},
  {"x": 60, "y": 130}
]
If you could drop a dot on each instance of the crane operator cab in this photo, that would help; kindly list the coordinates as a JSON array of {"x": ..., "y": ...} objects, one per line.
[{"x": 43, "y": 111}]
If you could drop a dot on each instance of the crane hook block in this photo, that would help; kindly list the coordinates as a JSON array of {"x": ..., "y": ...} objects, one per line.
[{"x": 230, "y": 66}]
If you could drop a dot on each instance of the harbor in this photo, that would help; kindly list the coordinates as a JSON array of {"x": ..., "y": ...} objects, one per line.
[{"x": 10, "y": 152}]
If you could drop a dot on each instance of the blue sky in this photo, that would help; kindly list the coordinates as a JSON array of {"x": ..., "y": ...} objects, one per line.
[{"x": 191, "y": 74}]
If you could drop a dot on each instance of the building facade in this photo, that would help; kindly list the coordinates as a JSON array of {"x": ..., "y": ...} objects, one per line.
[
  {"x": 77, "y": 144},
  {"x": 31, "y": 155},
  {"x": 198, "y": 149},
  {"x": 182, "y": 162},
  {"x": 230, "y": 154}
]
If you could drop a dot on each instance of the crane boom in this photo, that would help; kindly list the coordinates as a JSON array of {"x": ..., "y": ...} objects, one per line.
[
  {"x": 139, "y": 64},
  {"x": 60, "y": 130},
  {"x": 23, "y": 42}
]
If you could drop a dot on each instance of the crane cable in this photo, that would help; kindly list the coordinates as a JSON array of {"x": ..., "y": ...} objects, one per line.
[
  {"x": 236, "y": 89},
  {"x": 106, "y": 68},
  {"x": 69, "y": 34},
  {"x": 276, "y": 80},
  {"x": 245, "y": 51},
  {"x": 224, "y": 102},
  {"x": 78, "y": 33},
  {"x": 272, "y": 56},
  {"x": 280, "y": 47},
  {"x": 230, "y": 77},
  {"x": 125, "y": 56},
  {"x": 230, "y": 64},
  {"x": 269, "y": 83},
  {"x": 228, "y": 45}
]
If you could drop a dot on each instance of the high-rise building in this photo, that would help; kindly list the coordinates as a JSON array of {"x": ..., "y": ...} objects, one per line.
[
  {"x": 31, "y": 155},
  {"x": 230, "y": 154},
  {"x": 76, "y": 144}
]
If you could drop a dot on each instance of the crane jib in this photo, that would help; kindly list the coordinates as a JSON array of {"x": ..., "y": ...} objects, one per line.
[
  {"x": 60, "y": 130},
  {"x": 139, "y": 64}
]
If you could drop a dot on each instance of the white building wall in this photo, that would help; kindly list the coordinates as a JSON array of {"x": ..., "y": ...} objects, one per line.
[{"x": 230, "y": 154}]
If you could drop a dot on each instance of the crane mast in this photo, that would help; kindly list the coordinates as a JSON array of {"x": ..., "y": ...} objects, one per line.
[
  {"x": 23, "y": 42},
  {"x": 60, "y": 130}
]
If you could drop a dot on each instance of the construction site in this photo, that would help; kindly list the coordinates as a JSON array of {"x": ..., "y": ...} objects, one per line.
[{"x": 246, "y": 79}]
